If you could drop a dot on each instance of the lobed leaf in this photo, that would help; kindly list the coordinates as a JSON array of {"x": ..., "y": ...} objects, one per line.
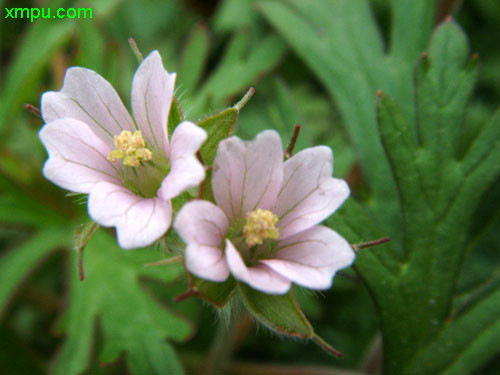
[
  {"x": 131, "y": 322},
  {"x": 425, "y": 190},
  {"x": 351, "y": 66},
  {"x": 465, "y": 343}
]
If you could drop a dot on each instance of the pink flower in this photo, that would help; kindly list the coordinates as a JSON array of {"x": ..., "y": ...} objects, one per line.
[
  {"x": 128, "y": 166},
  {"x": 264, "y": 229}
]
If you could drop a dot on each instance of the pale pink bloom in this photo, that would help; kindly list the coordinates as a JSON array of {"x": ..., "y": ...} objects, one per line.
[
  {"x": 128, "y": 166},
  {"x": 261, "y": 197}
]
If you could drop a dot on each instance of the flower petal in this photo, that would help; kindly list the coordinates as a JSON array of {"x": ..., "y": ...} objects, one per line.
[
  {"x": 88, "y": 97},
  {"x": 247, "y": 175},
  {"x": 259, "y": 277},
  {"x": 186, "y": 171},
  {"x": 203, "y": 226},
  {"x": 139, "y": 221},
  {"x": 77, "y": 157},
  {"x": 309, "y": 194},
  {"x": 312, "y": 257},
  {"x": 152, "y": 94}
]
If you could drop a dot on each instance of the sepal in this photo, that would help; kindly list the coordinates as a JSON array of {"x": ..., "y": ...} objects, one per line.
[{"x": 281, "y": 314}]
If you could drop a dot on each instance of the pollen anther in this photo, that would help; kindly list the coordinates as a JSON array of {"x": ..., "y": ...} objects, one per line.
[
  {"x": 130, "y": 147},
  {"x": 260, "y": 225}
]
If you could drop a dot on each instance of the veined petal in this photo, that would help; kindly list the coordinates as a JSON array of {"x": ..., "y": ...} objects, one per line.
[
  {"x": 139, "y": 221},
  {"x": 152, "y": 94},
  {"x": 88, "y": 97},
  {"x": 259, "y": 277},
  {"x": 247, "y": 175},
  {"x": 203, "y": 226},
  {"x": 77, "y": 157},
  {"x": 309, "y": 194},
  {"x": 185, "y": 169},
  {"x": 312, "y": 257}
]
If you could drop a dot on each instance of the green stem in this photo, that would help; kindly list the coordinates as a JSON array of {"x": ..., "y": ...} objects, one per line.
[{"x": 223, "y": 346}]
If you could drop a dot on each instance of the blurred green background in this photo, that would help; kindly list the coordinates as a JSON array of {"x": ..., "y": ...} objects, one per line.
[{"x": 218, "y": 49}]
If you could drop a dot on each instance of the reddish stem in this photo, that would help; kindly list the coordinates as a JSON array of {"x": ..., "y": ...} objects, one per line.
[
  {"x": 364, "y": 245},
  {"x": 31, "y": 108},
  {"x": 330, "y": 349},
  {"x": 293, "y": 141},
  {"x": 81, "y": 275},
  {"x": 243, "y": 101},
  {"x": 135, "y": 49},
  {"x": 185, "y": 295}
]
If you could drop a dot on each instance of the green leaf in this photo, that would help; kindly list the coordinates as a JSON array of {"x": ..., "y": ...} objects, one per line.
[
  {"x": 407, "y": 42},
  {"x": 41, "y": 41},
  {"x": 401, "y": 146},
  {"x": 92, "y": 49},
  {"x": 194, "y": 59},
  {"x": 352, "y": 67},
  {"x": 445, "y": 80},
  {"x": 438, "y": 200},
  {"x": 425, "y": 186},
  {"x": 444, "y": 83},
  {"x": 415, "y": 153},
  {"x": 16, "y": 358},
  {"x": 285, "y": 113},
  {"x": 464, "y": 344},
  {"x": 232, "y": 15},
  {"x": 131, "y": 322},
  {"x": 23, "y": 210},
  {"x": 241, "y": 66},
  {"x": 480, "y": 161},
  {"x": 103, "y": 9},
  {"x": 16, "y": 264}
]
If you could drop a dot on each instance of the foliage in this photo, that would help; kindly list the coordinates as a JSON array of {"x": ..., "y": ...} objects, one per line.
[
  {"x": 440, "y": 176},
  {"x": 427, "y": 145}
]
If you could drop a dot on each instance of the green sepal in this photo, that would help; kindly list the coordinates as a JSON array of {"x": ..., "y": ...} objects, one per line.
[
  {"x": 281, "y": 314},
  {"x": 84, "y": 233},
  {"x": 217, "y": 294},
  {"x": 218, "y": 127},
  {"x": 175, "y": 117},
  {"x": 182, "y": 199},
  {"x": 206, "y": 188}
]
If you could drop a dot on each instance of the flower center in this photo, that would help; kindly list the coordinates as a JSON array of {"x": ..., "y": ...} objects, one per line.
[
  {"x": 130, "y": 147},
  {"x": 260, "y": 225},
  {"x": 143, "y": 178}
]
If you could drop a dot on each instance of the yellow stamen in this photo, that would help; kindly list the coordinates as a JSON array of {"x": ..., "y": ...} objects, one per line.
[
  {"x": 260, "y": 225},
  {"x": 130, "y": 147}
]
